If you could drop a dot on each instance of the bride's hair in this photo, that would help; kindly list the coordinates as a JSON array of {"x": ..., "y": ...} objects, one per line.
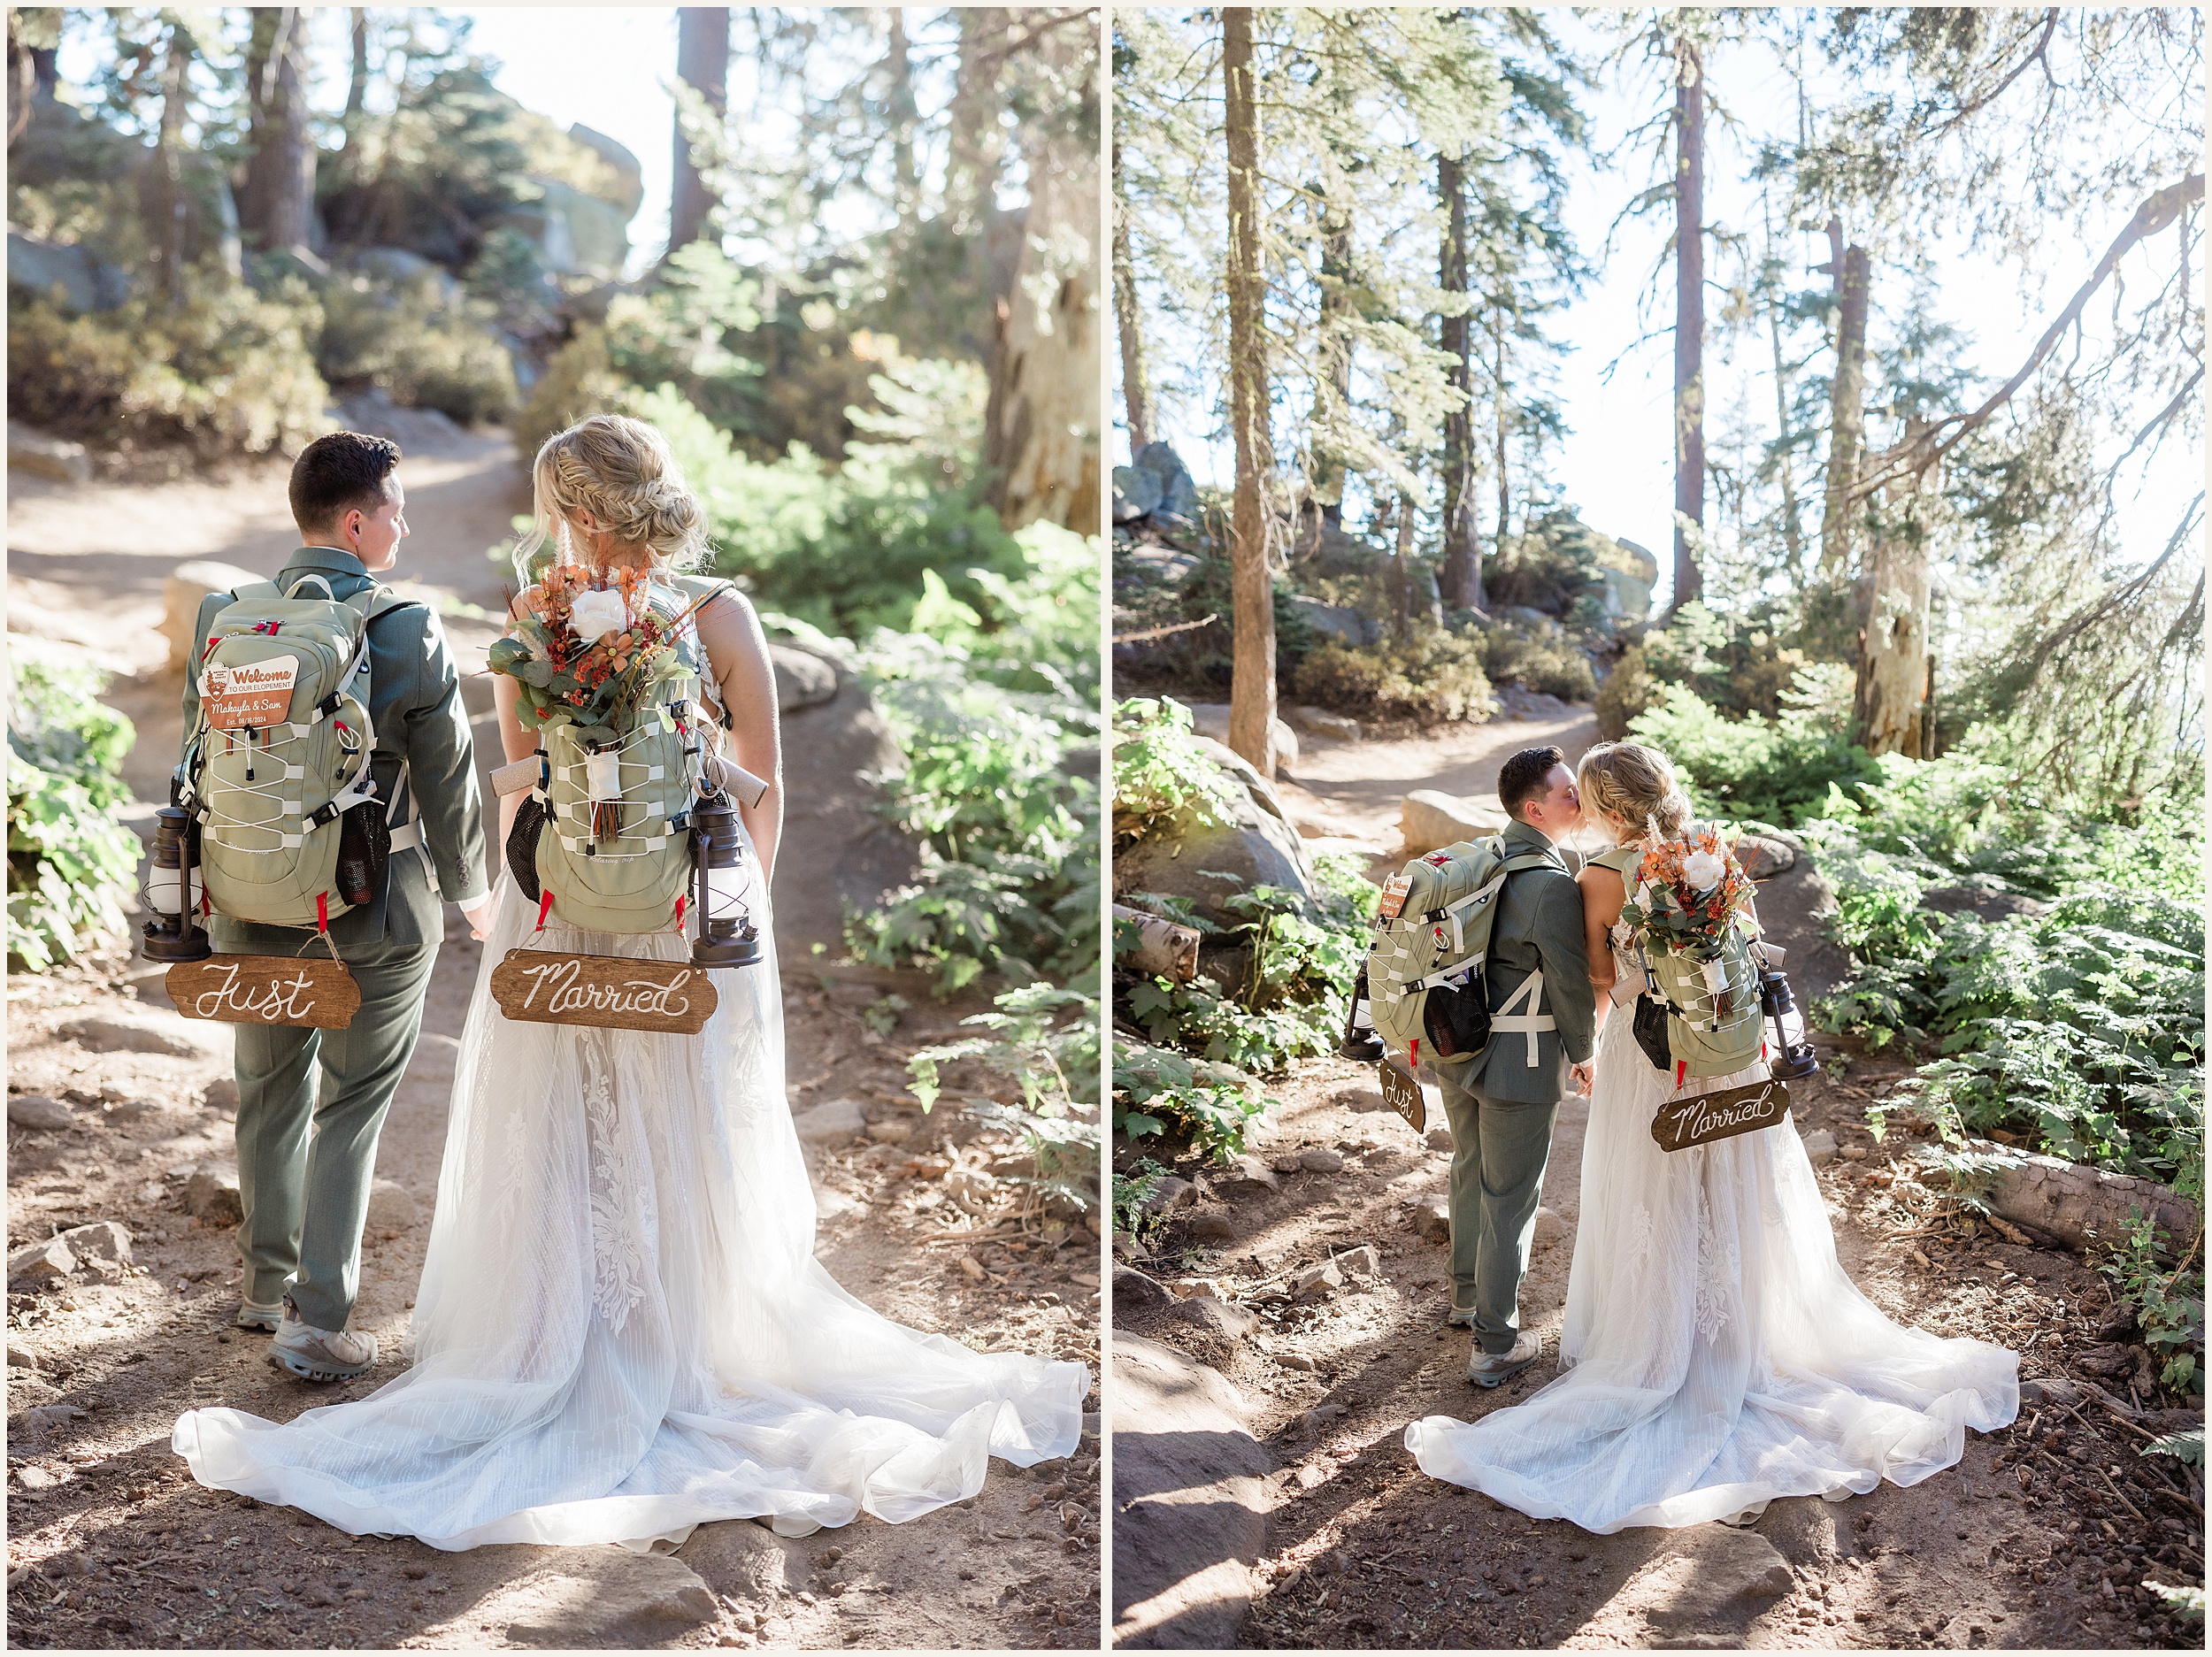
[
  {"x": 1634, "y": 786},
  {"x": 620, "y": 471}
]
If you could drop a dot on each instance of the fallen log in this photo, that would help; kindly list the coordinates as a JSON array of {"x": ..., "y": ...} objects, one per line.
[
  {"x": 2079, "y": 1205},
  {"x": 1163, "y": 948}
]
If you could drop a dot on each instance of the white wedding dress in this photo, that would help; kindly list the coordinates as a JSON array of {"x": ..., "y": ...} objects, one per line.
[
  {"x": 1715, "y": 1357},
  {"x": 621, "y": 1331}
]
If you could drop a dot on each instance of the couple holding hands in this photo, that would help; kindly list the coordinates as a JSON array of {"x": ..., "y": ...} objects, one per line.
[{"x": 621, "y": 1332}]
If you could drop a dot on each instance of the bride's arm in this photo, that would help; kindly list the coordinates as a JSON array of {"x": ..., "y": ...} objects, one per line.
[
  {"x": 737, "y": 650},
  {"x": 1603, "y": 893},
  {"x": 514, "y": 741}
]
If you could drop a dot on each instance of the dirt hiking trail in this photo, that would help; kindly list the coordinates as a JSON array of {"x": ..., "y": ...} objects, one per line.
[
  {"x": 1321, "y": 1533},
  {"x": 111, "y": 1544}
]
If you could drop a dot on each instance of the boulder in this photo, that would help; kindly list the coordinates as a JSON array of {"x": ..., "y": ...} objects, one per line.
[
  {"x": 628, "y": 192},
  {"x": 1179, "y": 490},
  {"x": 1432, "y": 1220},
  {"x": 839, "y": 1121},
  {"x": 1137, "y": 494},
  {"x": 1221, "y": 1317},
  {"x": 576, "y": 234},
  {"x": 1338, "y": 622},
  {"x": 1323, "y": 1277},
  {"x": 41, "y": 1265},
  {"x": 1764, "y": 856},
  {"x": 102, "y": 1239},
  {"x": 1259, "y": 846},
  {"x": 45, "y": 456},
  {"x": 837, "y": 849},
  {"x": 1171, "y": 1193},
  {"x": 180, "y": 594},
  {"x": 36, "y": 1110},
  {"x": 1133, "y": 1291},
  {"x": 391, "y": 1206},
  {"x": 1363, "y": 1261},
  {"x": 1191, "y": 1500},
  {"x": 1162, "y": 566},
  {"x": 1794, "y": 906},
  {"x": 1318, "y": 1161},
  {"x": 745, "y": 1560},
  {"x": 66, "y": 273},
  {"x": 1984, "y": 897},
  {"x": 1213, "y": 1226},
  {"x": 1211, "y": 720},
  {"x": 1319, "y": 722},
  {"x": 1246, "y": 1176},
  {"x": 211, "y": 1195},
  {"x": 801, "y": 680},
  {"x": 1820, "y": 1147},
  {"x": 146, "y": 1030},
  {"x": 1429, "y": 820}
]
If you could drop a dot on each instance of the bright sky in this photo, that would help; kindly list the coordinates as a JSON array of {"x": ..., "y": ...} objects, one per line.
[{"x": 1616, "y": 463}]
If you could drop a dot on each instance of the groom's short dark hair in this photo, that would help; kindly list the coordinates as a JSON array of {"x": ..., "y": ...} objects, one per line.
[
  {"x": 1521, "y": 779},
  {"x": 335, "y": 474}
]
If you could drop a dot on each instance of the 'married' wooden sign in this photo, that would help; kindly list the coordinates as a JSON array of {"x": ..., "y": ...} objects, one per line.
[
  {"x": 265, "y": 990},
  {"x": 1682, "y": 1123},
  {"x": 611, "y": 991}
]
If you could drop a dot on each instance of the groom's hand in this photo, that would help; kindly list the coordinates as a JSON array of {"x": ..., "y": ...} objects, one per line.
[{"x": 477, "y": 914}]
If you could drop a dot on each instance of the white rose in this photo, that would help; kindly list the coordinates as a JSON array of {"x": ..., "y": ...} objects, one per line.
[
  {"x": 595, "y": 614},
  {"x": 1702, "y": 871}
]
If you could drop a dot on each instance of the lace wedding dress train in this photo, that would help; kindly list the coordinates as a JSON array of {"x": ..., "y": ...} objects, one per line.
[
  {"x": 621, "y": 1331},
  {"x": 1714, "y": 1355}
]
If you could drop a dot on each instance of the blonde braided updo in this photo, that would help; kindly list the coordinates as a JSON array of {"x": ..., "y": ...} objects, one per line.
[
  {"x": 1632, "y": 786},
  {"x": 620, "y": 471}
]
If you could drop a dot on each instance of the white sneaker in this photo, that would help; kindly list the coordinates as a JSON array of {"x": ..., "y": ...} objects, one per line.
[
  {"x": 1490, "y": 1369},
  {"x": 319, "y": 1354},
  {"x": 253, "y": 1315}
]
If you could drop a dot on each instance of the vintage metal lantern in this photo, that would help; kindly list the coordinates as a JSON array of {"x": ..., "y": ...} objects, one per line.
[
  {"x": 1360, "y": 1042},
  {"x": 1793, "y": 1055},
  {"x": 727, "y": 937},
  {"x": 173, "y": 891}
]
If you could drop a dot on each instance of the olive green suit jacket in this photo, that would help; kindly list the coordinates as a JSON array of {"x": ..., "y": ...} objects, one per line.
[{"x": 421, "y": 726}]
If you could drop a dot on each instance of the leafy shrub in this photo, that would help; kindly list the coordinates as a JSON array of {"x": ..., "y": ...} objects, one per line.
[
  {"x": 1740, "y": 664},
  {"x": 2168, "y": 1307},
  {"x": 1435, "y": 677},
  {"x": 69, "y": 859},
  {"x": 1164, "y": 782},
  {"x": 1043, "y": 1042},
  {"x": 405, "y": 337},
  {"x": 1628, "y": 690},
  {"x": 580, "y": 380},
  {"x": 1543, "y": 659},
  {"x": 1157, "y": 1088},
  {"x": 1755, "y": 769},
  {"x": 227, "y": 372}
]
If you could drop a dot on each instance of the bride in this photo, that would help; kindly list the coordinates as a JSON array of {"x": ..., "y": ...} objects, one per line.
[
  {"x": 621, "y": 1331},
  {"x": 1720, "y": 1357}
]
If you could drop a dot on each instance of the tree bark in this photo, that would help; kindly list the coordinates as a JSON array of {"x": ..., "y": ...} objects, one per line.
[
  {"x": 1401, "y": 584},
  {"x": 906, "y": 180},
  {"x": 1136, "y": 393},
  {"x": 358, "y": 87},
  {"x": 1460, "y": 571},
  {"x": 1689, "y": 315},
  {"x": 1792, "y": 532},
  {"x": 702, "y": 62},
  {"x": 168, "y": 203},
  {"x": 280, "y": 197},
  {"x": 974, "y": 140},
  {"x": 1501, "y": 415},
  {"x": 1332, "y": 339},
  {"x": 1893, "y": 678},
  {"x": 1854, "y": 275},
  {"x": 1252, "y": 586},
  {"x": 1041, "y": 435}
]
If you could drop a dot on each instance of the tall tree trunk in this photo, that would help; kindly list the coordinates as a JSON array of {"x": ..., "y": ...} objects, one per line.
[
  {"x": 1853, "y": 277},
  {"x": 1400, "y": 583},
  {"x": 358, "y": 87},
  {"x": 1689, "y": 314},
  {"x": 974, "y": 140},
  {"x": 1136, "y": 393},
  {"x": 906, "y": 180},
  {"x": 280, "y": 197},
  {"x": 1502, "y": 415},
  {"x": 1332, "y": 340},
  {"x": 1252, "y": 582},
  {"x": 1792, "y": 532},
  {"x": 702, "y": 63},
  {"x": 1892, "y": 692},
  {"x": 1459, "y": 573},
  {"x": 1041, "y": 426},
  {"x": 168, "y": 207}
]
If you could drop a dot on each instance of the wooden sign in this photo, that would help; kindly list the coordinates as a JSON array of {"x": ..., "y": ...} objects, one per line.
[
  {"x": 1682, "y": 1123},
  {"x": 610, "y": 992},
  {"x": 1401, "y": 1092},
  {"x": 311, "y": 992},
  {"x": 242, "y": 695}
]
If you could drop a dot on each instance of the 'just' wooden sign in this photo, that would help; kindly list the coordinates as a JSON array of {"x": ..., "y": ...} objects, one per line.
[
  {"x": 611, "y": 991},
  {"x": 265, "y": 990}
]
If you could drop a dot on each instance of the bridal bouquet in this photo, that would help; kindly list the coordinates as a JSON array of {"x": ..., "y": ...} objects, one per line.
[
  {"x": 590, "y": 654},
  {"x": 1689, "y": 894}
]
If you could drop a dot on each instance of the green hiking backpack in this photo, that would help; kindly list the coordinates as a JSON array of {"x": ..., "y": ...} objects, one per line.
[
  {"x": 280, "y": 754},
  {"x": 1424, "y": 967},
  {"x": 640, "y": 781},
  {"x": 1713, "y": 1022}
]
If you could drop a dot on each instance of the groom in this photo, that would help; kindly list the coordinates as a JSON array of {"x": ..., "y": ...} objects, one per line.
[
  {"x": 1500, "y": 1101},
  {"x": 306, "y": 1198}
]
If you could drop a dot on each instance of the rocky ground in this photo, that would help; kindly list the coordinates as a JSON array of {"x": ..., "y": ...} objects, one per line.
[
  {"x": 1279, "y": 1322},
  {"x": 119, "y": 1126}
]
